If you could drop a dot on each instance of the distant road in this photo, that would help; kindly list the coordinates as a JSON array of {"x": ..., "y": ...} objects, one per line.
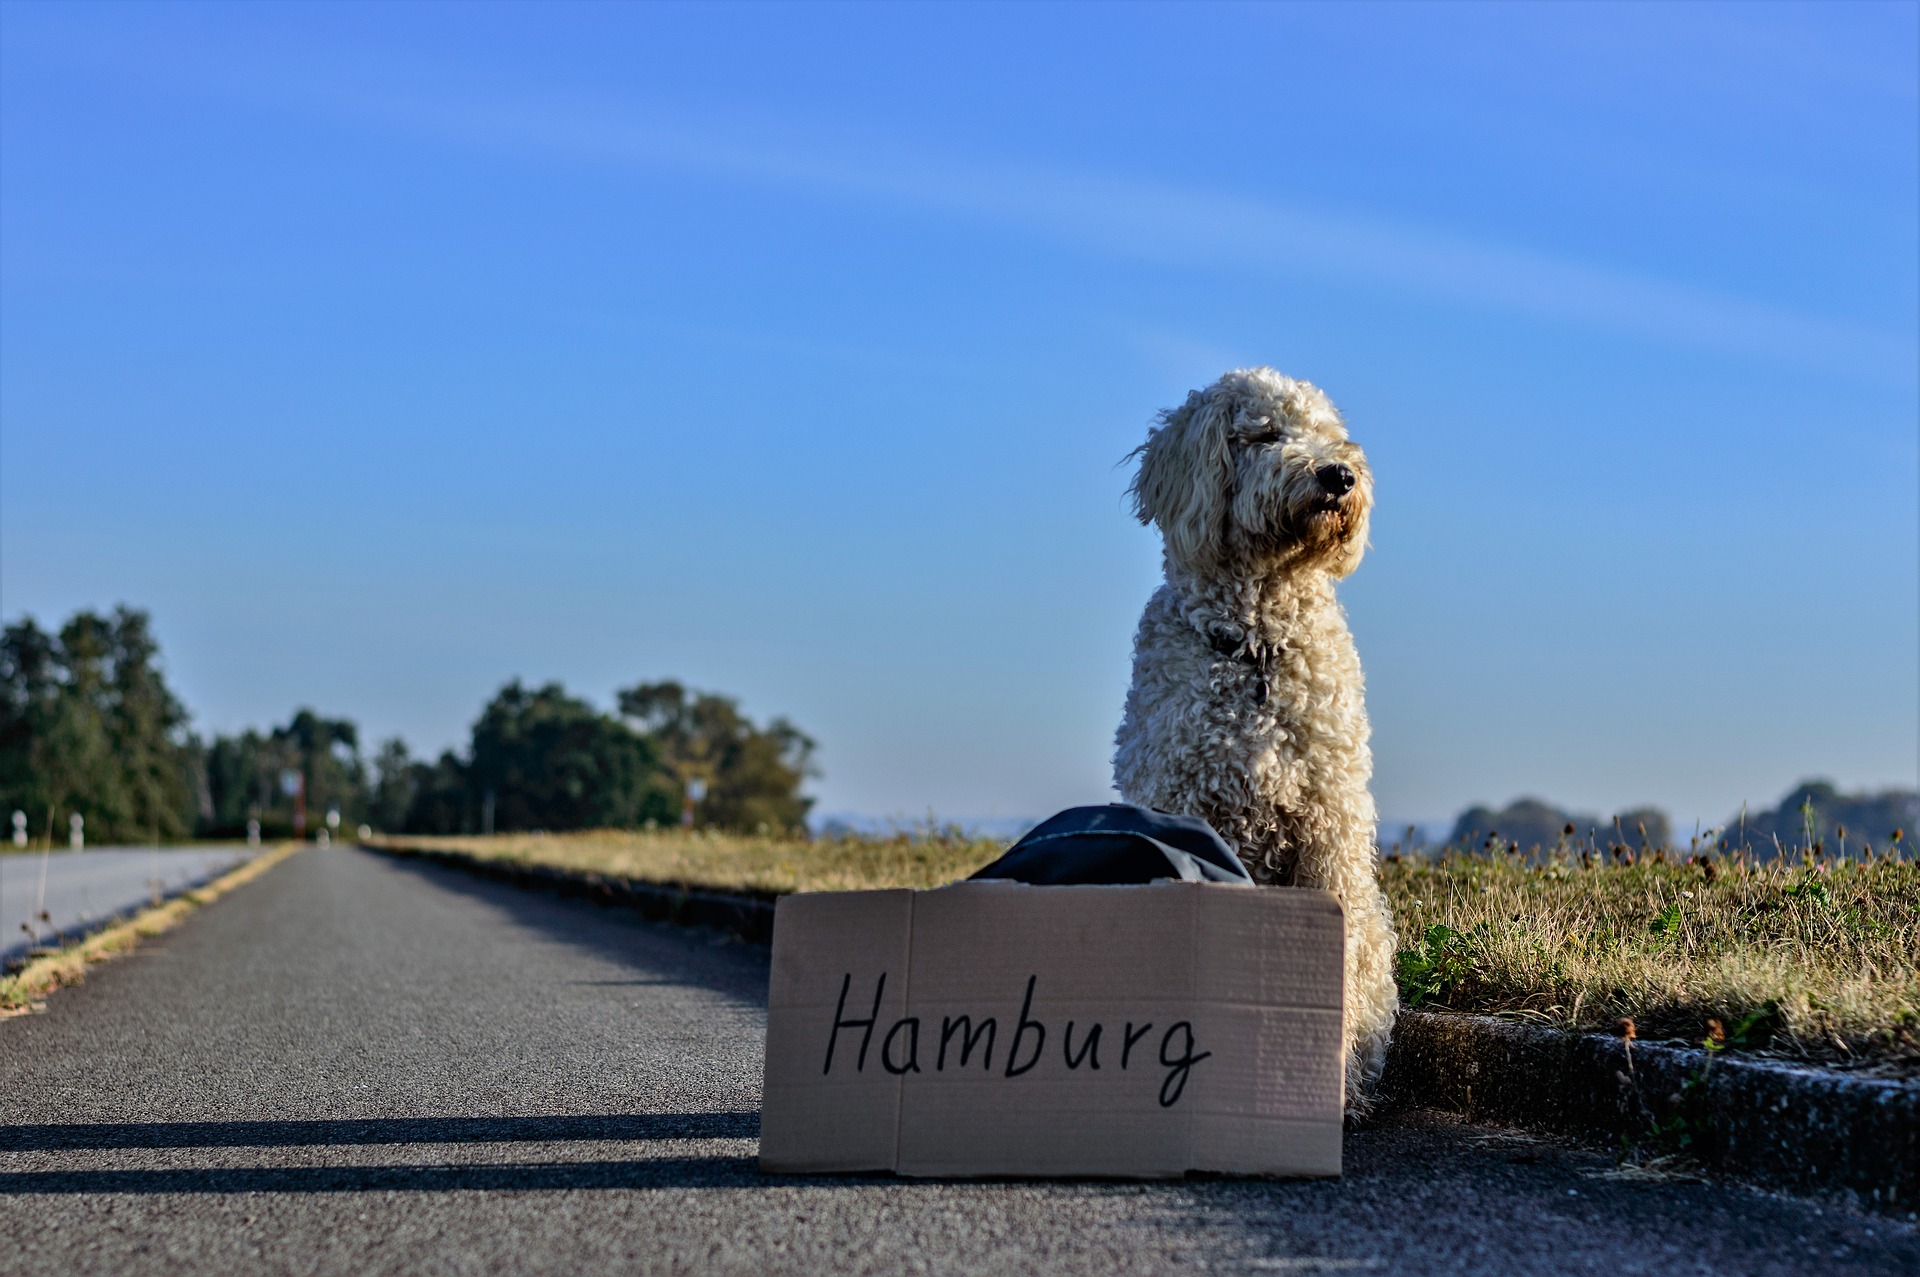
[
  {"x": 357, "y": 1065},
  {"x": 85, "y": 887}
]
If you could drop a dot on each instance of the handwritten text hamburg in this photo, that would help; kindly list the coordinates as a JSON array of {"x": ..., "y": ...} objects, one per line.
[{"x": 960, "y": 1038}]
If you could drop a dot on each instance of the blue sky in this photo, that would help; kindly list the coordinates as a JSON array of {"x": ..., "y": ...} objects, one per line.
[{"x": 386, "y": 352}]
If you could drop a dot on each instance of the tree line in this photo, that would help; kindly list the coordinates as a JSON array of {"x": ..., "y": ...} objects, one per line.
[
  {"x": 88, "y": 725},
  {"x": 1815, "y": 816}
]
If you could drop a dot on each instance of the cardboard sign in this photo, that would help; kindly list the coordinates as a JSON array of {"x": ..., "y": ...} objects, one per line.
[{"x": 994, "y": 1028}]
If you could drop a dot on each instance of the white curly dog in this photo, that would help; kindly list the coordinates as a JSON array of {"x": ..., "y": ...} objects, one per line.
[{"x": 1247, "y": 707}]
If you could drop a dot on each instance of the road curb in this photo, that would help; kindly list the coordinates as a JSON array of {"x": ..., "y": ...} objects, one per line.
[
  {"x": 746, "y": 917},
  {"x": 1767, "y": 1122}
]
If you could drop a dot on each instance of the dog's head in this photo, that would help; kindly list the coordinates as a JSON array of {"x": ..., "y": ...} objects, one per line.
[{"x": 1255, "y": 468}]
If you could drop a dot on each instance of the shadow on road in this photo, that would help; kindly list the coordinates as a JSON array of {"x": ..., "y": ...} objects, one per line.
[
  {"x": 665, "y": 1172},
  {"x": 422, "y": 1130},
  {"x": 694, "y": 955}
]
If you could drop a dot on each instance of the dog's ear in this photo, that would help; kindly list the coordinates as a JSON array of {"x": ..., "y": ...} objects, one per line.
[{"x": 1185, "y": 473}]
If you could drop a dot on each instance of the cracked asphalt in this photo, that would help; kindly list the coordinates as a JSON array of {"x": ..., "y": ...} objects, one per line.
[{"x": 357, "y": 1065}]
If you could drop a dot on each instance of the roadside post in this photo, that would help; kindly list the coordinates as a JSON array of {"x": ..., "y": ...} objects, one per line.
[
  {"x": 253, "y": 833},
  {"x": 294, "y": 784},
  {"x": 40, "y": 901},
  {"x": 77, "y": 831}
]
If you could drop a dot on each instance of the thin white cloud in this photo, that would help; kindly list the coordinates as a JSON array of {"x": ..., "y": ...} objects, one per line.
[
  {"x": 1193, "y": 228},
  {"x": 1137, "y": 220}
]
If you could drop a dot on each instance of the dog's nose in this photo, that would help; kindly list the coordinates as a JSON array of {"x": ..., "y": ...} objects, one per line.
[{"x": 1336, "y": 478}]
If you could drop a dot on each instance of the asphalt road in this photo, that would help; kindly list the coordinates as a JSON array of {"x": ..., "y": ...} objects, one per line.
[
  {"x": 358, "y": 1065},
  {"x": 83, "y": 888}
]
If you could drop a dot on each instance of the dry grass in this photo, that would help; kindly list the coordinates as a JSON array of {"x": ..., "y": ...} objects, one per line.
[
  {"x": 738, "y": 862},
  {"x": 1816, "y": 959},
  {"x": 21, "y": 992}
]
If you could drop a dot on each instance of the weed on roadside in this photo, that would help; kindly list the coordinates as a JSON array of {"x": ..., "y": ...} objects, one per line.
[{"x": 1813, "y": 956}]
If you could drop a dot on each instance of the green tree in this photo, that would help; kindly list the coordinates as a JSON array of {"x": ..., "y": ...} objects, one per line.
[
  {"x": 326, "y": 751},
  {"x": 1537, "y": 826},
  {"x": 243, "y": 783},
  {"x": 752, "y": 774},
  {"x": 244, "y": 776},
  {"x": 396, "y": 783},
  {"x": 1816, "y": 811},
  {"x": 438, "y": 798},
  {"x": 546, "y": 760},
  {"x": 88, "y": 725}
]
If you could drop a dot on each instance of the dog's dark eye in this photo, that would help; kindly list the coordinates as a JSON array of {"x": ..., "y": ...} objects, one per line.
[{"x": 1266, "y": 436}]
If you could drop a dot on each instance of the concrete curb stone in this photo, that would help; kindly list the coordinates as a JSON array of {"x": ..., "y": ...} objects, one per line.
[{"x": 1770, "y": 1123}]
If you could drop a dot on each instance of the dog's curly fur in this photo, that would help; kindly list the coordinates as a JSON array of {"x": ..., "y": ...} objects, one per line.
[{"x": 1247, "y": 704}]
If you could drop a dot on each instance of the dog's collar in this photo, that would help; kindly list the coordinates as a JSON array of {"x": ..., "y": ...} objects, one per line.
[
  {"x": 1227, "y": 645},
  {"x": 1239, "y": 649}
]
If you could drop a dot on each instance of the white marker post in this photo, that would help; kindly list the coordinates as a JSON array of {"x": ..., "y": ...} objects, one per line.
[
  {"x": 253, "y": 833},
  {"x": 77, "y": 831}
]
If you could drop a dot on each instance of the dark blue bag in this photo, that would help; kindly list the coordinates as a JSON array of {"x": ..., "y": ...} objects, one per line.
[{"x": 1118, "y": 845}]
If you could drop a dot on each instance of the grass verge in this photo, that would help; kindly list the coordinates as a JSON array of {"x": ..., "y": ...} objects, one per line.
[
  {"x": 767, "y": 865},
  {"x": 22, "y": 991},
  {"x": 1816, "y": 957},
  {"x": 1813, "y": 957}
]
